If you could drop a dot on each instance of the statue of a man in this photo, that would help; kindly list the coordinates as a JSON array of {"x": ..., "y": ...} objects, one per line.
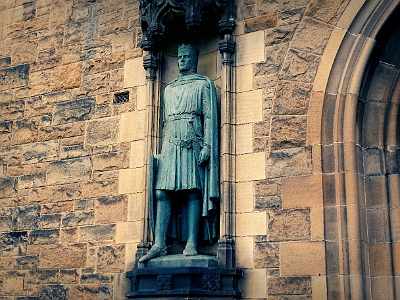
[{"x": 187, "y": 178}]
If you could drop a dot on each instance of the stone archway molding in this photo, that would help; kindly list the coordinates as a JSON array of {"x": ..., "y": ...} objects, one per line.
[{"x": 351, "y": 52}]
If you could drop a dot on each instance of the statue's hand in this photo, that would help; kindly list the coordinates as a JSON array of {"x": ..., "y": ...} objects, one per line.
[{"x": 204, "y": 155}]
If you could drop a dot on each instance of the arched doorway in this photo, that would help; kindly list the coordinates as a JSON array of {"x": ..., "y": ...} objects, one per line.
[{"x": 359, "y": 152}]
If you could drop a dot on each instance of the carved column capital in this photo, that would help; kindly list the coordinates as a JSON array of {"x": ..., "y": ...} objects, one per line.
[{"x": 227, "y": 48}]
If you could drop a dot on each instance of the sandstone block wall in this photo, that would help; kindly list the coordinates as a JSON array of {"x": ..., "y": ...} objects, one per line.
[
  {"x": 280, "y": 237},
  {"x": 72, "y": 159},
  {"x": 67, "y": 220}
]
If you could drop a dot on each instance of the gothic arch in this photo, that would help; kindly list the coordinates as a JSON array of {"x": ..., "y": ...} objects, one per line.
[{"x": 359, "y": 143}]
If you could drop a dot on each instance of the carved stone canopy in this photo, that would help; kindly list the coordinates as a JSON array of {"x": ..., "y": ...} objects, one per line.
[{"x": 155, "y": 13}]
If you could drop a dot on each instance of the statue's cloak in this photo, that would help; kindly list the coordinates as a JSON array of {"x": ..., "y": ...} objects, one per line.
[{"x": 180, "y": 151}]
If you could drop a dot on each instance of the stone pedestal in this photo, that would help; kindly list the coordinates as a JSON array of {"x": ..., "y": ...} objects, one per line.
[{"x": 179, "y": 276}]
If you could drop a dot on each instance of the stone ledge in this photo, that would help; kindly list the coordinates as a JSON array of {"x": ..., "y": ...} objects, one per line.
[{"x": 180, "y": 261}]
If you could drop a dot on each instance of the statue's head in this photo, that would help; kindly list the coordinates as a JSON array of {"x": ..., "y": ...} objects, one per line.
[{"x": 187, "y": 58}]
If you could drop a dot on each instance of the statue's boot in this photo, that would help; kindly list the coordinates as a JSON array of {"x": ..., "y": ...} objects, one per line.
[
  {"x": 162, "y": 222},
  {"x": 194, "y": 214}
]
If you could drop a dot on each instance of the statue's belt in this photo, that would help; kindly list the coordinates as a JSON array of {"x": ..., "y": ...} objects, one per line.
[
  {"x": 191, "y": 142},
  {"x": 185, "y": 116}
]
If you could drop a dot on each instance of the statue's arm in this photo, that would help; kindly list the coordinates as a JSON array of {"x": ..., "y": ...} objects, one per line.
[{"x": 206, "y": 103}]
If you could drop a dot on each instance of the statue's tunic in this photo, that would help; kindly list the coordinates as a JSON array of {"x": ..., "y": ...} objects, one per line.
[{"x": 190, "y": 123}]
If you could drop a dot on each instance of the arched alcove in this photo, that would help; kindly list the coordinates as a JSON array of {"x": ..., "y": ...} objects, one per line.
[{"x": 359, "y": 141}]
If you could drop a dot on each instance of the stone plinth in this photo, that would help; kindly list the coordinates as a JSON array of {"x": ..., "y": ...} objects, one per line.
[{"x": 178, "y": 276}]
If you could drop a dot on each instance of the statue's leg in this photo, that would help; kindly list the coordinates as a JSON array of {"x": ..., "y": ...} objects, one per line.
[
  {"x": 194, "y": 214},
  {"x": 162, "y": 223}
]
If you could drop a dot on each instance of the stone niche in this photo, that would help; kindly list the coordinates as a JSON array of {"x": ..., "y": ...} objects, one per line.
[{"x": 208, "y": 25}]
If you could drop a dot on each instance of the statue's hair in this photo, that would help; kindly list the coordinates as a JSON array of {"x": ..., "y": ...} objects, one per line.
[{"x": 193, "y": 52}]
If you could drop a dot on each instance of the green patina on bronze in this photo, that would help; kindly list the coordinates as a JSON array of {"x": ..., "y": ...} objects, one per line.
[{"x": 186, "y": 182}]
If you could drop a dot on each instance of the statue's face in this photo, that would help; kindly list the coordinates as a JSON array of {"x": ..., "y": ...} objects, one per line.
[{"x": 185, "y": 60}]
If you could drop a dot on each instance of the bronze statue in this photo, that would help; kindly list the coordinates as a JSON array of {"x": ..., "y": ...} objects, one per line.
[{"x": 186, "y": 186}]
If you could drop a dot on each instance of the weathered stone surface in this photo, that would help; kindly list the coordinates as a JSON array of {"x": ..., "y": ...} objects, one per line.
[
  {"x": 62, "y": 131},
  {"x": 54, "y": 291},
  {"x": 100, "y": 188},
  {"x": 260, "y": 144},
  {"x": 50, "y": 221},
  {"x": 78, "y": 218},
  {"x": 14, "y": 77},
  {"x": 56, "y": 193},
  {"x": 67, "y": 76},
  {"x": 288, "y": 162},
  {"x": 6, "y": 223},
  {"x": 55, "y": 208},
  {"x": 73, "y": 111},
  {"x": 74, "y": 151},
  {"x": 266, "y": 255},
  {"x": 13, "y": 283},
  {"x": 26, "y": 262},
  {"x": 24, "y": 52},
  {"x": 46, "y": 236},
  {"x": 61, "y": 256},
  {"x": 267, "y": 203},
  {"x": 97, "y": 233},
  {"x": 102, "y": 291},
  {"x": 86, "y": 204},
  {"x": 111, "y": 258},
  {"x": 8, "y": 187},
  {"x": 328, "y": 11},
  {"x": 106, "y": 63},
  {"x": 11, "y": 110},
  {"x": 26, "y": 217},
  {"x": 292, "y": 98},
  {"x": 5, "y": 62},
  {"x": 311, "y": 36},
  {"x": 261, "y": 129},
  {"x": 69, "y": 235},
  {"x": 104, "y": 131},
  {"x": 303, "y": 258},
  {"x": 275, "y": 56},
  {"x": 38, "y": 106},
  {"x": 32, "y": 180},
  {"x": 68, "y": 276},
  {"x": 80, "y": 31},
  {"x": 260, "y": 23},
  {"x": 5, "y": 127},
  {"x": 111, "y": 161},
  {"x": 300, "y": 66},
  {"x": 279, "y": 35},
  {"x": 265, "y": 81},
  {"x": 69, "y": 171},
  {"x": 290, "y": 16},
  {"x": 267, "y": 187},
  {"x": 111, "y": 209},
  {"x": 42, "y": 276},
  {"x": 6, "y": 96},
  {"x": 288, "y": 132},
  {"x": 60, "y": 13},
  {"x": 51, "y": 38},
  {"x": 250, "y": 48},
  {"x": 39, "y": 152},
  {"x": 96, "y": 278},
  {"x": 289, "y": 286},
  {"x": 13, "y": 243},
  {"x": 289, "y": 225},
  {"x": 7, "y": 263},
  {"x": 25, "y": 131}
]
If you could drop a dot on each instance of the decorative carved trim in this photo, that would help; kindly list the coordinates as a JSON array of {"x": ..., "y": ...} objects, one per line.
[
  {"x": 153, "y": 14},
  {"x": 164, "y": 282},
  {"x": 211, "y": 282}
]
